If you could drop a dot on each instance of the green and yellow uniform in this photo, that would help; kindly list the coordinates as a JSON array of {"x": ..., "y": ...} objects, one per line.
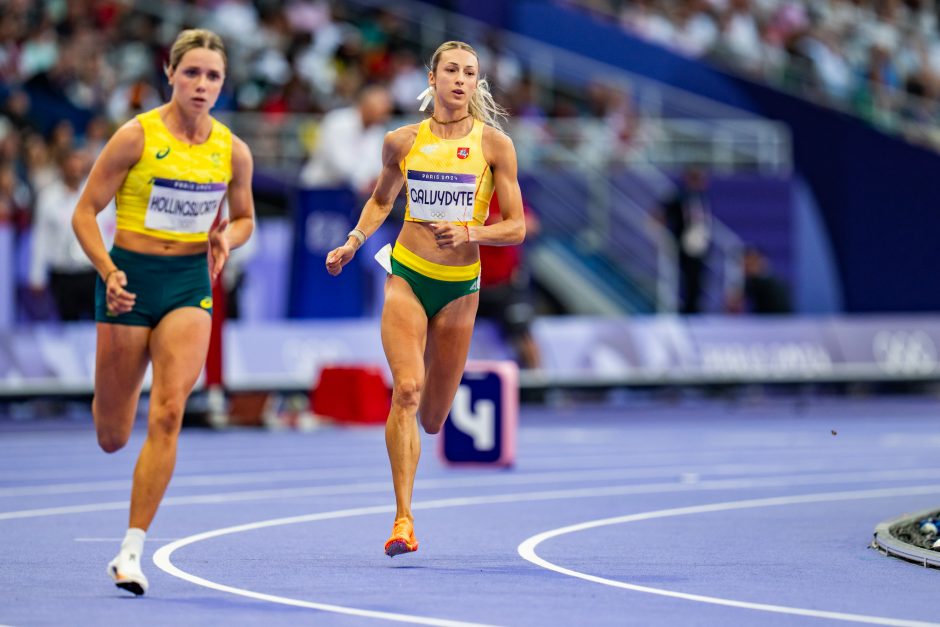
[
  {"x": 446, "y": 180},
  {"x": 174, "y": 192}
]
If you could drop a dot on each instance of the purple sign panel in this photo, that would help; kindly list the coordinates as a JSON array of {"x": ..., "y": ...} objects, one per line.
[
  {"x": 762, "y": 348},
  {"x": 664, "y": 349},
  {"x": 905, "y": 346}
]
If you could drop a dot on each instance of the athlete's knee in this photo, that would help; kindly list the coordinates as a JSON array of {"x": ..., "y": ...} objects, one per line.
[
  {"x": 112, "y": 428},
  {"x": 406, "y": 393},
  {"x": 111, "y": 440},
  {"x": 166, "y": 416},
  {"x": 432, "y": 425}
]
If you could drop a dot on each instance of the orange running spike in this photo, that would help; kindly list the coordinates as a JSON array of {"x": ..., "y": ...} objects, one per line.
[{"x": 403, "y": 538}]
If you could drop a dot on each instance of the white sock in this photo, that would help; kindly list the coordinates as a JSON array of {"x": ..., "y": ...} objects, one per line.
[{"x": 134, "y": 541}]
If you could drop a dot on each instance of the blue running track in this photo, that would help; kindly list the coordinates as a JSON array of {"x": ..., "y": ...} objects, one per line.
[{"x": 705, "y": 513}]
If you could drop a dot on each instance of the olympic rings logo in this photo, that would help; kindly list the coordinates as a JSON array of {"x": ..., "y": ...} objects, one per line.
[{"x": 905, "y": 352}]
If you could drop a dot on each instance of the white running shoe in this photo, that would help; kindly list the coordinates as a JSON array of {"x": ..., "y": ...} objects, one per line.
[{"x": 125, "y": 571}]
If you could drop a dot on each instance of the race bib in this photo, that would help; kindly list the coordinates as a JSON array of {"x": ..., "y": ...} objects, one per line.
[
  {"x": 441, "y": 196},
  {"x": 182, "y": 206}
]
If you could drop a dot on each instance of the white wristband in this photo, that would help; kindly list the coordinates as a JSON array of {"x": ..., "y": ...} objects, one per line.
[{"x": 359, "y": 235}]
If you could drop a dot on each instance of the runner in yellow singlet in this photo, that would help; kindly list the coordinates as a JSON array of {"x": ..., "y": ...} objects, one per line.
[
  {"x": 450, "y": 165},
  {"x": 169, "y": 171}
]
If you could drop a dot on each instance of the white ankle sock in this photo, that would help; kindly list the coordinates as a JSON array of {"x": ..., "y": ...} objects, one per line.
[{"x": 134, "y": 541}]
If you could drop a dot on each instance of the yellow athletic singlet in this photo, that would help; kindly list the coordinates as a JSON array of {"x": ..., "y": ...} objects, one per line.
[
  {"x": 175, "y": 190},
  {"x": 447, "y": 180}
]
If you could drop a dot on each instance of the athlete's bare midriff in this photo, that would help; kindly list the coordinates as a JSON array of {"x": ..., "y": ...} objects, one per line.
[
  {"x": 149, "y": 245},
  {"x": 419, "y": 239}
]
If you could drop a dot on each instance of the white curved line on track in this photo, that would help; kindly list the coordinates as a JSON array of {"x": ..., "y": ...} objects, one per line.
[
  {"x": 527, "y": 551},
  {"x": 162, "y": 556},
  {"x": 681, "y": 485}
]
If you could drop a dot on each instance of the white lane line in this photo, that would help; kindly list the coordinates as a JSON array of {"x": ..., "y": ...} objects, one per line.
[
  {"x": 680, "y": 485},
  {"x": 527, "y": 550},
  {"x": 191, "y": 481},
  {"x": 301, "y": 475},
  {"x": 121, "y": 539},
  {"x": 162, "y": 559}
]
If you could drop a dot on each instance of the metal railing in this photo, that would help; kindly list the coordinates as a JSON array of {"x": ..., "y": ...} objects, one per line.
[{"x": 283, "y": 141}]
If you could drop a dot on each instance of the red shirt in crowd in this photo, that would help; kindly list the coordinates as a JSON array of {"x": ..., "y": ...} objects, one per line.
[{"x": 499, "y": 263}]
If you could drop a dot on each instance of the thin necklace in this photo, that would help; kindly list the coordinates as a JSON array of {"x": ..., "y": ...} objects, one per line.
[{"x": 451, "y": 121}]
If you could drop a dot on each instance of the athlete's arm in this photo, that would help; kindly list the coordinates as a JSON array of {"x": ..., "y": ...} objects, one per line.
[
  {"x": 500, "y": 154},
  {"x": 394, "y": 149},
  {"x": 234, "y": 231},
  {"x": 120, "y": 154},
  {"x": 241, "y": 204}
]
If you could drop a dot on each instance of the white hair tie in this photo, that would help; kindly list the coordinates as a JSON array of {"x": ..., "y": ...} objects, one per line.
[{"x": 425, "y": 97}]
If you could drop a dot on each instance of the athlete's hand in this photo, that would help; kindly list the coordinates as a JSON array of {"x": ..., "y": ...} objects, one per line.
[
  {"x": 117, "y": 299},
  {"x": 449, "y": 235},
  {"x": 338, "y": 258},
  {"x": 219, "y": 249}
]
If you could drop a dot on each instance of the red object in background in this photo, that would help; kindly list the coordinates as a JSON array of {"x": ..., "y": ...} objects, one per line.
[
  {"x": 352, "y": 394},
  {"x": 215, "y": 376},
  {"x": 498, "y": 264}
]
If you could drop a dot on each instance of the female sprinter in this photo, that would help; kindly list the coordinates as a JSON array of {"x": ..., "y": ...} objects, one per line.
[
  {"x": 450, "y": 165},
  {"x": 169, "y": 171}
]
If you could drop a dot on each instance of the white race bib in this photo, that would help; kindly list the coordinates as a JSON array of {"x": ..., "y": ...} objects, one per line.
[
  {"x": 441, "y": 196},
  {"x": 183, "y": 206}
]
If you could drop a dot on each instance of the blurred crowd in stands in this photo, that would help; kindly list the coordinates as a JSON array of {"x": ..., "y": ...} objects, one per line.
[
  {"x": 879, "y": 59},
  {"x": 72, "y": 71}
]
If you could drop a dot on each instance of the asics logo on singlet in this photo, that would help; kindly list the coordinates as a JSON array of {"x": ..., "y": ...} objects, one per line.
[{"x": 163, "y": 153}]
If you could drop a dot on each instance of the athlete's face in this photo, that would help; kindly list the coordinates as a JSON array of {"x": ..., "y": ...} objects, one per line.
[
  {"x": 198, "y": 78},
  {"x": 456, "y": 78}
]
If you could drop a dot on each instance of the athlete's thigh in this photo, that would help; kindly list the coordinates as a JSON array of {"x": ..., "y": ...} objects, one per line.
[
  {"x": 449, "y": 335},
  {"x": 121, "y": 356},
  {"x": 404, "y": 331},
  {"x": 178, "y": 349}
]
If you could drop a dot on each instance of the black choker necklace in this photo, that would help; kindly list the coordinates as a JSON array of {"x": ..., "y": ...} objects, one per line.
[{"x": 451, "y": 121}]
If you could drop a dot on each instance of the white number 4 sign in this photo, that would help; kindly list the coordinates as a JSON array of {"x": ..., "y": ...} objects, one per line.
[{"x": 479, "y": 421}]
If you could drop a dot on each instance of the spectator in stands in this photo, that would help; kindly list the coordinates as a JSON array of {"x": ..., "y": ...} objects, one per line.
[
  {"x": 762, "y": 292},
  {"x": 687, "y": 215},
  {"x": 505, "y": 294},
  {"x": 40, "y": 167},
  {"x": 57, "y": 261},
  {"x": 15, "y": 196},
  {"x": 846, "y": 52},
  {"x": 349, "y": 144}
]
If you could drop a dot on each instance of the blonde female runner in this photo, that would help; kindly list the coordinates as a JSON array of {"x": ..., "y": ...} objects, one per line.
[
  {"x": 169, "y": 171},
  {"x": 450, "y": 165}
]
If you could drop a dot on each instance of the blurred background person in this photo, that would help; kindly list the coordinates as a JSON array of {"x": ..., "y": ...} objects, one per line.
[
  {"x": 57, "y": 261},
  {"x": 505, "y": 290},
  {"x": 762, "y": 292},
  {"x": 688, "y": 218},
  {"x": 349, "y": 144}
]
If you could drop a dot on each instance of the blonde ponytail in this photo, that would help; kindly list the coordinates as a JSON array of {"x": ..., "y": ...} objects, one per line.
[{"x": 482, "y": 105}]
